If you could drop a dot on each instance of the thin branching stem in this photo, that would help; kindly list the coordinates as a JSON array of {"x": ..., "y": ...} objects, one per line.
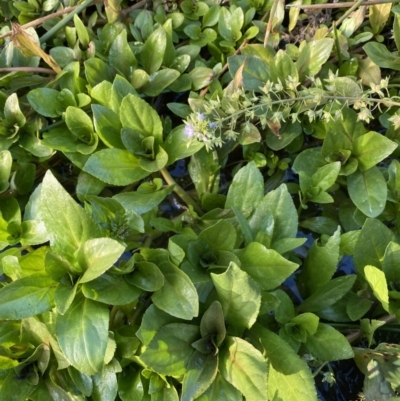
[{"x": 338, "y": 5}]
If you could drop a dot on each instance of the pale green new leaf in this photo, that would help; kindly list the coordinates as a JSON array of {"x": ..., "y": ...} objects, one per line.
[
  {"x": 377, "y": 280},
  {"x": 82, "y": 333}
]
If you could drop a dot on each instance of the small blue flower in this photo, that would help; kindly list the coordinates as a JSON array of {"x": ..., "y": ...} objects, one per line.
[
  {"x": 189, "y": 131},
  {"x": 201, "y": 116},
  {"x": 212, "y": 125}
]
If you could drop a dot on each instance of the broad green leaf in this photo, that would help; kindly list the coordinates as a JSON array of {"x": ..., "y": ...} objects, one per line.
[
  {"x": 178, "y": 296},
  {"x": 153, "y": 51},
  {"x": 372, "y": 148},
  {"x": 146, "y": 276},
  {"x": 121, "y": 56},
  {"x": 245, "y": 368},
  {"x": 313, "y": 56},
  {"x": 221, "y": 236},
  {"x": 80, "y": 124},
  {"x": 246, "y": 189},
  {"x": 68, "y": 224},
  {"x": 115, "y": 166},
  {"x": 371, "y": 245},
  {"x": 328, "y": 294},
  {"x": 200, "y": 77},
  {"x": 64, "y": 296},
  {"x": 381, "y": 56},
  {"x": 135, "y": 113},
  {"x": 178, "y": 146},
  {"x": 98, "y": 255},
  {"x": 170, "y": 350},
  {"x": 105, "y": 386},
  {"x": 111, "y": 290},
  {"x": 108, "y": 126},
  {"x": 240, "y": 296},
  {"x": 28, "y": 296},
  {"x": 289, "y": 377},
  {"x": 320, "y": 263},
  {"x": 266, "y": 266},
  {"x": 161, "y": 390},
  {"x": 326, "y": 176},
  {"x": 152, "y": 320},
  {"x": 309, "y": 161},
  {"x": 390, "y": 263},
  {"x": 377, "y": 280},
  {"x": 279, "y": 203},
  {"x": 130, "y": 386},
  {"x": 378, "y": 16},
  {"x": 159, "y": 81},
  {"x": 82, "y": 333},
  {"x": 45, "y": 101},
  {"x": 201, "y": 372},
  {"x": 97, "y": 71},
  {"x": 212, "y": 323},
  {"x": 82, "y": 381},
  {"x": 221, "y": 390},
  {"x": 368, "y": 191},
  {"x": 5, "y": 169},
  {"x": 142, "y": 202},
  {"x": 13, "y": 388},
  {"x": 328, "y": 344}
]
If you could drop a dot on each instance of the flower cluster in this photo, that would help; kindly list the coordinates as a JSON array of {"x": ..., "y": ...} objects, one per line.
[{"x": 227, "y": 118}]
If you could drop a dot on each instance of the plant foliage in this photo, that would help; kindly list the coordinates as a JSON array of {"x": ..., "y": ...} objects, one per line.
[{"x": 122, "y": 279}]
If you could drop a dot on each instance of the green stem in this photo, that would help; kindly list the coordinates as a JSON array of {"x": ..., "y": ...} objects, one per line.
[
  {"x": 358, "y": 333},
  {"x": 180, "y": 191},
  {"x": 48, "y": 35}
]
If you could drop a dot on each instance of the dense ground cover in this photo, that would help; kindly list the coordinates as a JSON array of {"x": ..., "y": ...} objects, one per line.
[{"x": 199, "y": 200}]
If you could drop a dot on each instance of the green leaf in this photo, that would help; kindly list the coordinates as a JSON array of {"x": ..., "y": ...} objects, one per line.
[
  {"x": 146, "y": 276},
  {"x": 97, "y": 71},
  {"x": 320, "y": 264},
  {"x": 98, "y": 255},
  {"x": 115, "y": 166},
  {"x": 121, "y": 56},
  {"x": 45, "y": 101},
  {"x": 80, "y": 124},
  {"x": 372, "y": 148},
  {"x": 368, "y": 191},
  {"x": 135, "y": 113},
  {"x": 13, "y": 388},
  {"x": 67, "y": 223},
  {"x": 81, "y": 31},
  {"x": 83, "y": 382},
  {"x": 201, "y": 77},
  {"x": 245, "y": 368},
  {"x": 28, "y": 296},
  {"x": 266, "y": 266},
  {"x": 289, "y": 377},
  {"x": 221, "y": 236},
  {"x": 371, "y": 245},
  {"x": 377, "y": 280},
  {"x": 201, "y": 372},
  {"x": 239, "y": 295},
  {"x": 5, "y": 169},
  {"x": 326, "y": 176},
  {"x": 390, "y": 264},
  {"x": 220, "y": 390},
  {"x": 328, "y": 294},
  {"x": 381, "y": 56},
  {"x": 82, "y": 333},
  {"x": 153, "y": 51},
  {"x": 159, "y": 80},
  {"x": 328, "y": 344},
  {"x": 246, "y": 189},
  {"x": 212, "y": 323},
  {"x": 170, "y": 350},
  {"x": 178, "y": 296},
  {"x": 64, "y": 296},
  {"x": 313, "y": 56},
  {"x": 279, "y": 204},
  {"x": 177, "y": 145},
  {"x": 111, "y": 290},
  {"x": 107, "y": 126}
]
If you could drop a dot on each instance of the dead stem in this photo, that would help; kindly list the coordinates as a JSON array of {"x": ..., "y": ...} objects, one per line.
[
  {"x": 270, "y": 20},
  {"x": 338, "y": 5}
]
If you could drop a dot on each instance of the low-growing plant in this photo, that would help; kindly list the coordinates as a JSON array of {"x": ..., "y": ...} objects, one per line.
[{"x": 199, "y": 201}]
